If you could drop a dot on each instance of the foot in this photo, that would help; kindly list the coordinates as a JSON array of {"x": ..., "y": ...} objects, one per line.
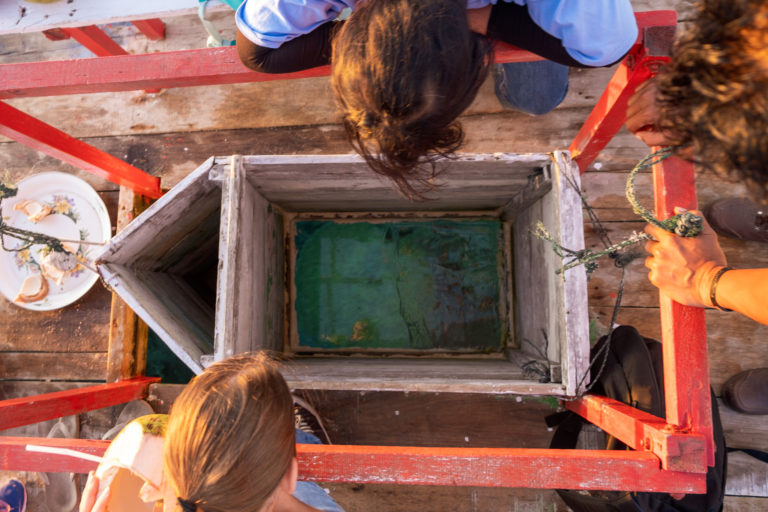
[
  {"x": 13, "y": 496},
  {"x": 309, "y": 422},
  {"x": 746, "y": 391},
  {"x": 738, "y": 218}
]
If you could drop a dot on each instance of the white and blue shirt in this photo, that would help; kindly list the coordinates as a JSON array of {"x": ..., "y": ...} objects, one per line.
[{"x": 593, "y": 32}]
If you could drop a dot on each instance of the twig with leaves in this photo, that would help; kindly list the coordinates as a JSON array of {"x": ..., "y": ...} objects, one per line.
[{"x": 683, "y": 224}]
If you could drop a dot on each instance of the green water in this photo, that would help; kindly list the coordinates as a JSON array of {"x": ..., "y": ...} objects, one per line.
[
  {"x": 399, "y": 285},
  {"x": 163, "y": 363}
]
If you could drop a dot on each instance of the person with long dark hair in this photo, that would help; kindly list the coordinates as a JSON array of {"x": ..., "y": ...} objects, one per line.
[{"x": 404, "y": 70}]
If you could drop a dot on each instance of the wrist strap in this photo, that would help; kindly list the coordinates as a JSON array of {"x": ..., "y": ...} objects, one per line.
[{"x": 713, "y": 288}]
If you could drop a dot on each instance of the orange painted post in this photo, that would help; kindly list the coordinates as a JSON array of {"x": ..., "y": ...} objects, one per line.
[{"x": 683, "y": 328}]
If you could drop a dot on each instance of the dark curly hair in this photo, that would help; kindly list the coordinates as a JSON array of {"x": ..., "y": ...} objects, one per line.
[
  {"x": 714, "y": 93},
  {"x": 402, "y": 72}
]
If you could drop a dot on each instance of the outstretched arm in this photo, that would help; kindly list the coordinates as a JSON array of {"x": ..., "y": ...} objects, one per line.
[{"x": 685, "y": 269}]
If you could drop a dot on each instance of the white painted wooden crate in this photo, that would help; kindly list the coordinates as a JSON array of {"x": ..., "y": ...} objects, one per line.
[{"x": 231, "y": 213}]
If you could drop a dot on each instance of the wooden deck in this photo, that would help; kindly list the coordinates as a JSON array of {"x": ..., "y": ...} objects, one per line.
[{"x": 169, "y": 134}]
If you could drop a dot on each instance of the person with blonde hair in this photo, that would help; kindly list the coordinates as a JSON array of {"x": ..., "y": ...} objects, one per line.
[{"x": 230, "y": 445}]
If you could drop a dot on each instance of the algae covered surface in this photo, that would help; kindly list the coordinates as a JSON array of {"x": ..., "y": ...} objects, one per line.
[{"x": 399, "y": 285}]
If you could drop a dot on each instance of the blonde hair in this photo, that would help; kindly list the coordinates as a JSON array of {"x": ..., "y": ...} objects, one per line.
[{"x": 230, "y": 436}]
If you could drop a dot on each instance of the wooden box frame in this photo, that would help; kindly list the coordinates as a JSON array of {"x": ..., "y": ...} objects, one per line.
[{"x": 250, "y": 196}]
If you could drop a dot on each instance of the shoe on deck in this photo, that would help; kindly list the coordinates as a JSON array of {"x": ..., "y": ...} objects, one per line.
[
  {"x": 747, "y": 391},
  {"x": 738, "y": 218},
  {"x": 13, "y": 496}
]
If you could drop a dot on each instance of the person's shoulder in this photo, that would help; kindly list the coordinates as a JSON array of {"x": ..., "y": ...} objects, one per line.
[
  {"x": 595, "y": 33},
  {"x": 270, "y": 23}
]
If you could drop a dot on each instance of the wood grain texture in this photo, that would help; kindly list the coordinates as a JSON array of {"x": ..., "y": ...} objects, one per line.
[
  {"x": 421, "y": 419},
  {"x": 79, "y": 327},
  {"x": 169, "y": 306},
  {"x": 53, "y": 366},
  {"x": 301, "y": 183},
  {"x": 416, "y": 375},
  {"x": 128, "y": 334},
  {"x": 549, "y": 310},
  {"x": 745, "y": 504},
  {"x": 745, "y": 431},
  {"x": 399, "y": 498},
  {"x": 747, "y": 476},
  {"x": 250, "y": 291}
]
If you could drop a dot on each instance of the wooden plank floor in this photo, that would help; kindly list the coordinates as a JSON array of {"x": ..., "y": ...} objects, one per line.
[{"x": 169, "y": 134}]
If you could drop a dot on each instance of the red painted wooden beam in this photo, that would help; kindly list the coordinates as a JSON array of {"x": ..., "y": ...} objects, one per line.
[
  {"x": 494, "y": 467},
  {"x": 605, "y": 120},
  {"x": 14, "y": 455},
  {"x": 153, "y": 29},
  {"x": 32, "y": 409},
  {"x": 43, "y": 137},
  {"x": 678, "y": 451},
  {"x": 93, "y": 38},
  {"x": 185, "y": 68},
  {"x": 683, "y": 328},
  {"x": 476, "y": 467}
]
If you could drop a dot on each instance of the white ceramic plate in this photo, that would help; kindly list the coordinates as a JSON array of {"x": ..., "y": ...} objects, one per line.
[{"x": 78, "y": 214}]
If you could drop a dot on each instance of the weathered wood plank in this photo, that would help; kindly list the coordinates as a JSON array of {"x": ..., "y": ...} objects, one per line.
[
  {"x": 416, "y": 375},
  {"x": 420, "y": 419},
  {"x": 747, "y": 476},
  {"x": 80, "y": 327},
  {"x": 169, "y": 306},
  {"x": 745, "y": 504},
  {"x": 541, "y": 307},
  {"x": 745, "y": 431},
  {"x": 53, "y": 366},
  {"x": 252, "y": 272},
  {"x": 128, "y": 334},
  {"x": 405, "y": 498}
]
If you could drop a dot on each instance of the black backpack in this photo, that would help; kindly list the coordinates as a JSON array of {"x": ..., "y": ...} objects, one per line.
[{"x": 634, "y": 374}]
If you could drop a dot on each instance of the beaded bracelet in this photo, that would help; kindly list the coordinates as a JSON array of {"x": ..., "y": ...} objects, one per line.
[{"x": 713, "y": 288}]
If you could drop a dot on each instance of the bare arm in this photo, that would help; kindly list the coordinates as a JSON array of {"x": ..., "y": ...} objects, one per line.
[
  {"x": 684, "y": 269},
  {"x": 478, "y": 19},
  {"x": 745, "y": 291}
]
